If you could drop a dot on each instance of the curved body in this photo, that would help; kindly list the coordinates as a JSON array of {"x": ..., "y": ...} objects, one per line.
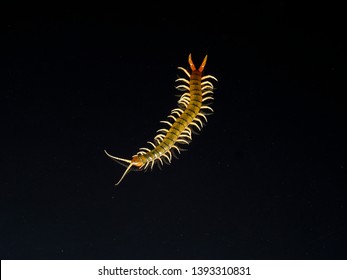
[{"x": 182, "y": 122}]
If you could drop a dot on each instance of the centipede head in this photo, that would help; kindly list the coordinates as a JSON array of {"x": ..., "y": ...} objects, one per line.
[{"x": 134, "y": 164}]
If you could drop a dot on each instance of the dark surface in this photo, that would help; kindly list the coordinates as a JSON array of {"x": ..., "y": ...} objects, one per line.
[{"x": 266, "y": 178}]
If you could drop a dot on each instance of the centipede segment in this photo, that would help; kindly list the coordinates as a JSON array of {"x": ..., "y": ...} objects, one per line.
[{"x": 188, "y": 118}]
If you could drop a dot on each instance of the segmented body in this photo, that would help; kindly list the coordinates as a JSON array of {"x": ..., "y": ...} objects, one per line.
[{"x": 182, "y": 122}]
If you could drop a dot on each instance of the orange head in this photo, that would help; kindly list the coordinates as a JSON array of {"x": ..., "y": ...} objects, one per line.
[{"x": 136, "y": 161}]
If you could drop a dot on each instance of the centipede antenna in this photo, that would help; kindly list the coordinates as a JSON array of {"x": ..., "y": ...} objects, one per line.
[
  {"x": 125, "y": 173},
  {"x": 122, "y": 161}
]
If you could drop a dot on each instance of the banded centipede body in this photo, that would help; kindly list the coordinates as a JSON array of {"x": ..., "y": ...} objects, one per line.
[{"x": 188, "y": 118}]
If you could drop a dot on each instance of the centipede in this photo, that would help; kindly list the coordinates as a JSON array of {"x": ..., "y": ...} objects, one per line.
[{"x": 194, "y": 105}]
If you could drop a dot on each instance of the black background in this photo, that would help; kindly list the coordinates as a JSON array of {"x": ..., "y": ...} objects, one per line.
[{"x": 265, "y": 179}]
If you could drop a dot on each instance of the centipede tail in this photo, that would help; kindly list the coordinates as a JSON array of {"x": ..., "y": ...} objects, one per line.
[{"x": 181, "y": 123}]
